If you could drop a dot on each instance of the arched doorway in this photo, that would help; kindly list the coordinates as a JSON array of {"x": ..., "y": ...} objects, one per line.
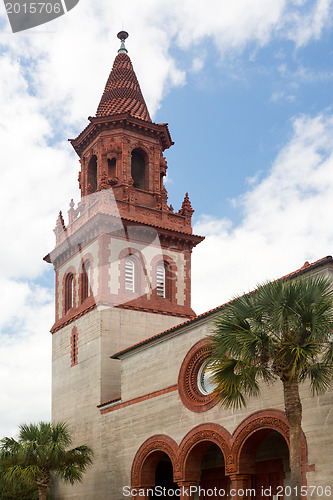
[
  {"x": 264, "y": 458},
  {"x": 154, "y": 465},
  {"x": 271, "y": 466},
  {"x": 205, "y": 450},
  {"x": 215, "y": 485},
  {"x": 165, "y": 487}
]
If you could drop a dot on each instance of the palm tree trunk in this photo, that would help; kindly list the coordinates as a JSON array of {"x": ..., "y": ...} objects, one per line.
[
  {"x": 293, "y": 409},
  {"x": 42, "y": 492}
]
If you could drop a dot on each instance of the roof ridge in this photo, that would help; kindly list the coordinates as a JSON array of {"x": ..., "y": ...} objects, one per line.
[{"x": 306, "y": 267}]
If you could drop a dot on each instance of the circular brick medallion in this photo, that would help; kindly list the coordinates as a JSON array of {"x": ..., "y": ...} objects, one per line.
[{"x": 190, "y": 393}]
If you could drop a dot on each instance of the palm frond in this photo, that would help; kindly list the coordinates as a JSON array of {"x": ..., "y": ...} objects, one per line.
[
  {"x": 320, "y": 375},
  {"x": 235, "y": 381}
]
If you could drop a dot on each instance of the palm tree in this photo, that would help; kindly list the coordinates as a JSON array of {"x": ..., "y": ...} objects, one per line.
[
  {"x": 40, "y": 454},
  {"x": 280, "y": 331}
]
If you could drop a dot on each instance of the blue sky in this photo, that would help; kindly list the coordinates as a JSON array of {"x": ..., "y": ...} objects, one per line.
[
  {"x": 241, "y": 113},
  {"x": 246, "y": 90}
]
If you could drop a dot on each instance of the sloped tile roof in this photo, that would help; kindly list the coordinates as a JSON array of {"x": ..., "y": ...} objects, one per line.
[
  {"x": 304, "y": 269},
  {"x": 122, "y": 93}
]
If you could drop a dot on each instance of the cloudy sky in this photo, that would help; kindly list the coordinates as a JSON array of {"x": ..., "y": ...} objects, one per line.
[{"x": 246, "y": 89}]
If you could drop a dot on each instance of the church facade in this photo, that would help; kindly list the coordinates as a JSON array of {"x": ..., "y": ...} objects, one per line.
[{"x": 128, "y": 352}]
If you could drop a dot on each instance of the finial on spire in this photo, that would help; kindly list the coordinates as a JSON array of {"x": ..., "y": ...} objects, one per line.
[{"x": 122, "y": 35}]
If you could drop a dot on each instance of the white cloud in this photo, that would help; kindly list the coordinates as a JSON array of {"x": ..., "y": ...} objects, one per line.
[
  {"x": 309, "y": 26},
  {"x": 25, "y": 353},
  {"x": 197, "y": 64},
  {"x": 68, "y": 69},
  {"x": 35, "y": 176},
  {"x": 286, "y": 220}
]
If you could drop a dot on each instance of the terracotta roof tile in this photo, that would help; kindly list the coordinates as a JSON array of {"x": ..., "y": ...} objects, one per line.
[
  {"x": 122, "y": 93},
  {"x": 305, "y": 268}
]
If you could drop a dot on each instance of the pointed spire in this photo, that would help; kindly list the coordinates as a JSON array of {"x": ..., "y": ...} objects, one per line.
[
  {"x": 60, "y": 222},
  {"x": 186, "y": 206},
  {"x": 122, "y": 93}
]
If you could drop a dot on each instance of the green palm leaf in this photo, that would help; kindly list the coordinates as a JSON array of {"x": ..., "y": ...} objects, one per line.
[{"x": 40, "y": 454}]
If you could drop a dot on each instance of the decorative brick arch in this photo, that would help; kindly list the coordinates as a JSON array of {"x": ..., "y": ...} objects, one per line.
[
  {"x": 238, "y": 449},
  {"x": 148, "y": 456},
  {"x": 195, "y": 444},
  {"x": 141, "y": 148},
  {"x": 254, "y": 428}
]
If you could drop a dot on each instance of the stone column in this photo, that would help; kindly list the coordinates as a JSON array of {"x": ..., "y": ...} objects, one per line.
[
  {"x": 185, "y": 490},
  {"x": 240, "y": 483}
]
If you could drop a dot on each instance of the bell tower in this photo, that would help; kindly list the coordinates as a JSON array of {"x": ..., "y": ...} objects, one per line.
[{"x": 123, "y": 259}]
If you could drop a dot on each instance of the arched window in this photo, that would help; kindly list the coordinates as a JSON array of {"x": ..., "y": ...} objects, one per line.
[
  {"x": 129, "y": 275},
  {"x": 92, "y": 174},
  {"x": 85, "y": 280},
  {"x": 165, "y": 275},
  {"x": 160, "y": 280},
  {"x": 138, "y": 169},
  {"x": 69, "y": 292}
]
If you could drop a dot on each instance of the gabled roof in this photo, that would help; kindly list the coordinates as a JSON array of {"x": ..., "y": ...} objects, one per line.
[
  {"x": 122, "y": 93},
  {"x": 304, "y": 269}
]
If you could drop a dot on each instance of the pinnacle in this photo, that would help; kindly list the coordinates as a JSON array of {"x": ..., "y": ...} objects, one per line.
[{"x": 122, "y": 93}]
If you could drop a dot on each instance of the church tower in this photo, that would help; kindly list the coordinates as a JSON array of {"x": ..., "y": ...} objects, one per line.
[{"x": 123, "y": 260}]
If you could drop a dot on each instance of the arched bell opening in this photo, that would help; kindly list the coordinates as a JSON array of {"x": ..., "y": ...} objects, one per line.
[
  {"x": 112, "y": 171},
  {"x": 138, "y": 169},
  {"x": 265, "y": 457},
  {"x": 92, "y": 174}
]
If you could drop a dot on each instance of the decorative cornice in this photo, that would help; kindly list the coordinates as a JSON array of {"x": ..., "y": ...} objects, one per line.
[{"x": 125, "y": 121}]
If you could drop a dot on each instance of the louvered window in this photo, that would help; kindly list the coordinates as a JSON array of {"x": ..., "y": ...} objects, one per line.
[
  {"x": 160, "y": 280},
  {"x": 129, "y": 275},
  {"x": 69, "y": 292}
]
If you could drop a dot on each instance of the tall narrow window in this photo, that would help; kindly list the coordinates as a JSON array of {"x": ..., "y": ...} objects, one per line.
[
  {"x": 129, "y": 275},
  {"x": 69, "y": 292},
  {"x": 85, "y": 280},
  {"x": 138, "y": 170},
  {"x": 92, "y": 174},
  {"x": 74, "y": 350},
  {"x": 112, "y": 169},
  {"x": 160, "y": 280}
]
